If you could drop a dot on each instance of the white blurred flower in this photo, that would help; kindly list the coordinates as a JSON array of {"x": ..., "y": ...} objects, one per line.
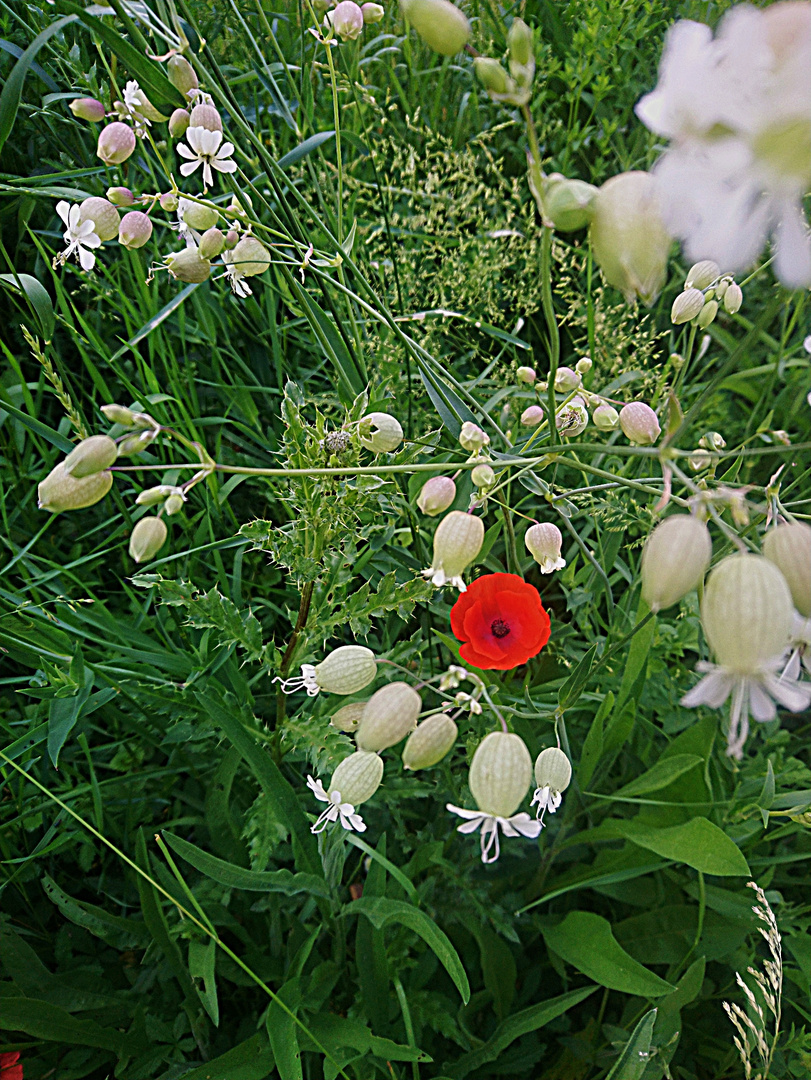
[
  {"x": 799, "y": 649},
  {"x": 236, "y": 279},
  {"x": 517, "y": 825},
  {"x": 206, "y": 150},
  {"x": 336, "y": 811},
  {"x": 547, "y": 799},
  {"x": 79, "y": 235}
]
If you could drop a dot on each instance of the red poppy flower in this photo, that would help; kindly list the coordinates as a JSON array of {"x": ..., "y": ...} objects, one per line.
[
  {"x": 10, "y": 1069},
  {"x": 501, "y": 621}
]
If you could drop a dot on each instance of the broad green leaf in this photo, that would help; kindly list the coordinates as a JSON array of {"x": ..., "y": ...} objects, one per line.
[
  {"x": 380, "y": 911},
  {"x": 664, "y": 772},
  {"x": 697, "y": 843},
  {"x": 593, "y": 746},
  {"x": 283, "y": 1032},
  {"x": 668, "y": 1021},
  {"x": 13, "y": 87},
  {"x": 378, "y": 856},
  {"x": 49, "y": 1022},
  {"x": 585, "y": 941},
  {"x": 305, "y": 148},
  {"x": 250, "y": 1060},
  {"x": 202, "y": 963},
  {"x": 115, "y": 930},
  {"x": 637, "y": 657},
  {"x": 514, "y": 1027},
  {"x": 236, "y": 877},
  {"x": 340, "y": 1031},
  {"x": 37, "y": 297},
  {"x": 63, "y": 713},
  {"x": 633, "y": 1060},
  {"x": 574, "y": 685}
]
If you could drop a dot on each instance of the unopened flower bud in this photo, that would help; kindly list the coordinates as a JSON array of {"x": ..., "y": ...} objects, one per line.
[
  {"x": 583, "y": 365},
  {"x": 250, "y": 257},
  {"x": 346, "y": 20},
  {"x": 437, "y": 495},
  {"x": 197, "y": 215},
  {"x": 154, "y": 495},
  {"x": 91, "y": 456},
  {"x": 605, "y": 417},
  {"x": 544, "y": 542},
  {"x": 60, "y": 491},
  {"x": 117, "y": 414},
  {"x": 674, "y": 560},
  {"x": 440, "y": 24},
  {"x": 457, "y": 541},
  {"x": 87, "y": 108},
  {"x": 500, "y": 773},
  {"x": 700, "y": 459},
  {"x": 713, "y": 440},
  {"x": 169, "y": 202},
  {"x": 120, "y": 196},
  {"x": 357, "y": 777},
  {"x": 686, "y": 306},
  {"x": 348, "y": 716},
  {"x": 532, "y": 416},
  {"x": 733, "y": 298},
  {"x": 567, "y": 203},
  {"x": 747, "y": 612},
  {"x": 526, "y": 375},
  {"x": 380, "y": 432},
  {"x": 205, "y": 116},
  {"x": 483, "y": 476},
  {"x": 136, "y": 443},
  {"x": 182, "y": 75},
  {"x": 388, "y": 716},
  {"x": 116, "y": 143},
  {"x": 430, "y": 741},
  {"x": 345, "y": 670},
  {"x": 628, "y": 237},
  {"x": 789, "y": 548},
  {"x": 174, "y": 504},
  {"x": 135, "y": 230},
  {"x": 639, "y": 423},
  {"x": 553, "y": 770},
  {"x": 187, "y": 266},
  {"x": 472, "y": 438},
  {"x": 179, "y": 123},
  {"x": 231, "y": 239},
  {"x": 492, "y": 76},
  {"x": 702, "y": 274},
  {"x": 147, "y": 538},
  {"x": 212, "y": 243},
  {"x": 707, "y": 313},
  {"x": 372, "y": 13},
  {"x": 573, "y": 418},
  {"x": 519, "y": 43},
  {"x": 103, "y": 215},
  {"x": 566, "y": 380}
]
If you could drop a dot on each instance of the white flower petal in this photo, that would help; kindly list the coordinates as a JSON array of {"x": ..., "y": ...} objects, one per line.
[
  {"x": 524, "y": 825},
  {"x": 791, "y": 695},
  {"x": 712, "y": 690},
  {"x": 184, "y": 152},
  {"x": 63, "y": 209},
  {"x": 87, "y": 260},
  {"x": 792, "y": 242},
  {"x": 188, "y": 168},
  {"x": 761, "y": 706},
  {"x": 224, "y": 166}
]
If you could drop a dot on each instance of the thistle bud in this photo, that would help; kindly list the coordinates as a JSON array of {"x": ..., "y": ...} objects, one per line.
[
  {"x": 116, "y": 143},
  {"x": 437, "y": 495},
  {"x": 639, "y": 423},
  {"x": 544, "y": 542},
  {"x": 519, "y": 43},
  {"x": 198, "y": 216},
  {"x": 179, "y": 123},
  {"x": 483, "y": 476},
  {"x": 472, "y": 438},
  {"x": 566, "y": 380},
  {"x": 372, "y": 13},
  {"x": 187, "y": 266},
  {"x": 103, "y": 215},
  {"x": 532, "y": 416},
  {"x": 553, "y": 770},
  {"x": 345, "y": 670},
  {"x": 492, "y": 76},
  {"x": 154, "y": 495},
  {"x": 747, "y": 612},
  {"x": 583, "y": 365},
  {"x": 380, "y": 432},
  {"x": 789, "y": 548},
  {"x": 250, "y": 257},
  {"x": 628, "y": 237},
  {"x": 605, "y": 417},
  {"x": 117, "y": 414},
  {"x": 147, "y": 538},
  {"x": 120, "y": 196},
  {"x": 707, "y": 314},
  {"x": 212, "y": 243},
  {"x": 733, "y": 298},
  {"x": 91, "y": 456},
  {"x": 500, "y": 773},
  {"x": 388, "y": 716},
  {"x": 457, "y": 541},
  {"x": 526, "y": 375},
  {"x": 348, "y": 716},
  {"x": 60, "y": 491},
  {"x": 174, "y": 504},
  {"x": 357, "y": 777},
  {"x": 567, "y": 204},
  {"x": 182, "y": 75},
  {"x": 686, "y": 306},
  {"x": 169, "y": 202},
  {"x": 430, "y": 741},
  {"x": 135, "y": 230},
  {"x": 87, "y": 108},
  {"x": 440, "y": 24},
  {"x": 702, "y": 274},
  {"x": 674, "y": 560},
  {"x": 573, "y": 418},
  {"x": 345, "y": 19},
  {"x": 205, "y": 116}
]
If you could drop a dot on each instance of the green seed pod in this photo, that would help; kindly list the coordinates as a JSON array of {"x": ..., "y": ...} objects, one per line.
[
  {"x": 187, "y": 266},
  {"x": 639, "y": 423},
  {"x": 747, "y": 612},
  {"x": 483, "y": 476},
  {"x": 357, "y": 777},
  {"x": 733, "y": 297},
  {"x": 154, "y": 495},
  {"x": 789, "y": 548},
  {"x": 702, "y": 274},
  {"x": 519, "y": 43},
  {"x": 179, "y": 123},
  {"x": 567, "y": 203},
  {"x": 147, "y": 538},
  {"x": 440, "y": 24},
  {"x": 348, "y": 716},
  {"x": 118, "y": 414},
  {"x": 553, "y": 769},
  {"x": 60, "y": 491},
  {"x": 605, "y": 417},
  {"x": 206, "y": 116},
  {"x": 675, "y": 559},
  {"x": 346, "y": 670},
  {"x": 181, "y": 75},
  {"x": 457, "y": 541},
  {"x": 707, "y": 314},
  {"x": 198, "y": 216},
  {"x": 436, "y": 495},
  {"x": 686, "y": 306},
  {"x": 390, "y": 713},
  {"x": 174, "y": 504},
  {"x": 500, "y": 773},
  {"x": 250, "y": 257},
  {"x": 91, "y": 456},
  {"x": 429, "y": 742},
  {"x": 380, "y": 432},
  {"x": 120, "y": 196},
  {"x": 212, "y": 243},
  {"x": 492, "y": 76},
  {"x": 136, "y": 443},
  {"x": 103, "y": 215},
  {"x": 526, "y": 375}
]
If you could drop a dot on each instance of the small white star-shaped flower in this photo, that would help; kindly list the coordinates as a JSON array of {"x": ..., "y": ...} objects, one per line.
[
  {"x": 336, "y": 811},
  {"x": 208, "y": 150},
  {"x": 79, "y": 236},
  {"x": 517, "y": 825}
]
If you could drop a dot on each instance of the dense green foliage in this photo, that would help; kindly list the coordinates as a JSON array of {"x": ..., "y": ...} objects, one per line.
[{"x": 166, "y": 911}]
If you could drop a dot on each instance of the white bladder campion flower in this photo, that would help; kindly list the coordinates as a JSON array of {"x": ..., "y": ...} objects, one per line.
[
  {"x": 206, "y": 148},
  {"x": 80, "y": 236},
  {"x": 735, "y": 107},
  {"x": 553, "y": 773},
  {"x": 336, "y": 811}
]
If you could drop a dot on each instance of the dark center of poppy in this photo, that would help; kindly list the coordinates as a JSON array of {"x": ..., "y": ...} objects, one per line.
[{"x": 498, "y": 628}]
